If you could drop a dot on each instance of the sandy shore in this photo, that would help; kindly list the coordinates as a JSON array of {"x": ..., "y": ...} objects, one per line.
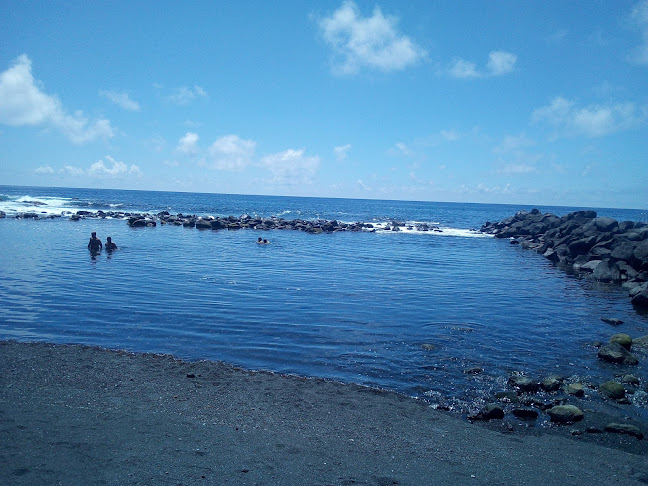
[{"x": 75, "y": 415}]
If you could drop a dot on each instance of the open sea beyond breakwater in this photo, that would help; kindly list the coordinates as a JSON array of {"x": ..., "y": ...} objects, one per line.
[{"x": 409, "y": 311}]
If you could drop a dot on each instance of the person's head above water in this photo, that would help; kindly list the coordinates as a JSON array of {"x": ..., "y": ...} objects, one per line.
[{"x": 94, "y": 234}]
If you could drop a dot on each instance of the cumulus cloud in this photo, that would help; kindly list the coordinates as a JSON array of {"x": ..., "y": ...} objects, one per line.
[
  {"x": 499, "y": 63},
  {"x": 231, "y": 152},
  {"x": 591, "y": 121},
  {"x": 184, "y": 95},
  {"x": 22, "y": 102},
  {"x": 100, "y": 170},
  {"x": 367, "y": 42},
  {"x": 121, "y": 99},
  {"x": 341, "y": 151},
  {"x": 188, "y": 144},
  {"x": 639, "y": 18},
  {"x": 291, "y": 167}
]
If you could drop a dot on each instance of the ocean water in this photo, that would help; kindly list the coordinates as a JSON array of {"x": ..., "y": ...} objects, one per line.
[{"x": 354, "y": 307}]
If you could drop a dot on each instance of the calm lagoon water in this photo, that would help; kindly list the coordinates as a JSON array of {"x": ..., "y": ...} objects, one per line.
[{"x": 354, "y": 307}]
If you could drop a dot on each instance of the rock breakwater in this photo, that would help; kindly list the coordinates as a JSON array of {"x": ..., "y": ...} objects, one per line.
[{"x": 597, "y": 247}]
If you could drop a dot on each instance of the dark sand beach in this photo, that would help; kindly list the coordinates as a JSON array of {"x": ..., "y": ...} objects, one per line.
[{"x": 76, "y": 415}]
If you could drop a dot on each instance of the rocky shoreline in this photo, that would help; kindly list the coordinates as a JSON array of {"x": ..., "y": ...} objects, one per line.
[
  {"x": 142, "y": 220},
  {"x": 607, "y": 251},
  {"x": 595, "y": 247}
]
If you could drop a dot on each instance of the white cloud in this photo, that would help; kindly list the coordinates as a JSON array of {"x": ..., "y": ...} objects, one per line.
[
  {"x": 639, "y": 18},
  {"x": 100, "y": 170},
  {"x": 45, "y": 169},
  {"x": 514, "y": 158},
  {"x": 231, "y": 152},
  {"x": 591, "y": 121},
  {"x": 482, "y": 188},
  {"x": 121, "y": 99},
  {"x": 22, "y": 102},
  {"x": 184, "y": 95},
  {"x": 291, "y": 167},
  {"x": 362, "y": 185},
  {"x": 371, "y": 42},
  {"x": 187, "y": 144},
  {"x": 341, "y": 151},
  {"x": 499, "y": 64}
]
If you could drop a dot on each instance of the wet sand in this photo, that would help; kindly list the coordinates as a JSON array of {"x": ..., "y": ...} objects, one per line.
[{"x": 77, "y": 415}]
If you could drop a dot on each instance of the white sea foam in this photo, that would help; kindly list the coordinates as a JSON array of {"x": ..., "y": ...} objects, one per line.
[
  {"x": 41, "y": 205},
  {"x": 433, "y": 229}
]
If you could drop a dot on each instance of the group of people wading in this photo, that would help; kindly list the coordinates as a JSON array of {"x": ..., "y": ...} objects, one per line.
[{"x": 95, "y": 245}]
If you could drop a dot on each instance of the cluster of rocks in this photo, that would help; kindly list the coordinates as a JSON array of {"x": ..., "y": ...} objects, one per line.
[
  {"x": 246, "y": 221},
  {"x": 601, "y": 247},
  {"x": 528, "y": 398}
]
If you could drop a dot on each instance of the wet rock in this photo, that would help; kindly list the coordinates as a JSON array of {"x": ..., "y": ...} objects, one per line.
[
  {"x": 624, "y": 429},
  {"x": 630, "y": 380},
  {"x": 507, "y": 396},
  {"x": 428, "y": 347},
  {"x": 641, "y": 299},
  {"x": 523, "y": 382},
  {"x": 607, "y": 271},
  {"x": 576, "y": 389},
  {"x": 623, "y": 339},
  {"x": 491, "y": 411},
  {"x": 525, "y": 413},
  {"x": 615, "y": 353},
  {"x": 473, "y": 371},
  {"x": 565, "y": 414},
  {"x": 551, "y": 383},
  {"x": 612, "y": 390},
  {"x": 640, "y": 342},
  {"x": 611, "y": 320}
]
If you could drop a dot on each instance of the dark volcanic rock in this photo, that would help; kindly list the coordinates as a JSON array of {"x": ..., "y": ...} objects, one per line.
[
  {"x": 624, "y": 429},
  {"x": 565, "y": 414},
  {"x": 523, "y": 383},
  {"x": 599, "y": 247},
  {"x": 641, "y": 299},
  {"x": 490, "y": 412},
  {"x": 615, "y": 353},
  {"x": 607, "y": 271}
]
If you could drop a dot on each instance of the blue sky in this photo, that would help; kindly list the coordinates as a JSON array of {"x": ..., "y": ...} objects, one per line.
[{"x": 500, "y": 101}]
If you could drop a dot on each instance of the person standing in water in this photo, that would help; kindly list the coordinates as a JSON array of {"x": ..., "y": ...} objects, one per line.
[
  {"x": 94, "y": 245},
  {"x": 110, "y": 246}
]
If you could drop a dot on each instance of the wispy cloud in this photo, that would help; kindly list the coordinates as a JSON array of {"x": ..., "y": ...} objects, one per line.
[
  {"x": 499, "y": 63},
  {"x": 22, "y": 102},
  {"x": 341, "y": 152},
  {"x": 45, "y": 169},
  {"x": 639, "y": 19},
  {"x": 120, "y": 99},
  {"x": 231, "y": 152},
  {"x": 592, "y": 121},
  {"x": 367, "y": 42},
  {"x": 113, "y": 169},
  {"x": 514, "y": 157},
  {"x": 291, "y": 167},
  {"x": 184, "y": 95}
]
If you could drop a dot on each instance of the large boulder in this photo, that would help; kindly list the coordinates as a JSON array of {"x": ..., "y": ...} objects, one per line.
[
  {"x": 640, "y": 255},
  {"x": 612, "y": 390},
  {"x": 627, "y": 429},
  {"x": 565, "y": 414},
  {"x": 606, "y": 224},
  {"x": 623, "y": 339},
  {"x": 624, "y": 250},
  {"x": 615, "y": 353},
  {"x": 607, "y": 271},
  {"x": 491, "y": 411},
  {"x": 640, "y": 299}
]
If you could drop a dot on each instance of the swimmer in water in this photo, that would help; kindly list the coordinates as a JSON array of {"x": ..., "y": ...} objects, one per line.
[
  {"x": 94, "y": 245},
  {"x": 110, "y": 246}
]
